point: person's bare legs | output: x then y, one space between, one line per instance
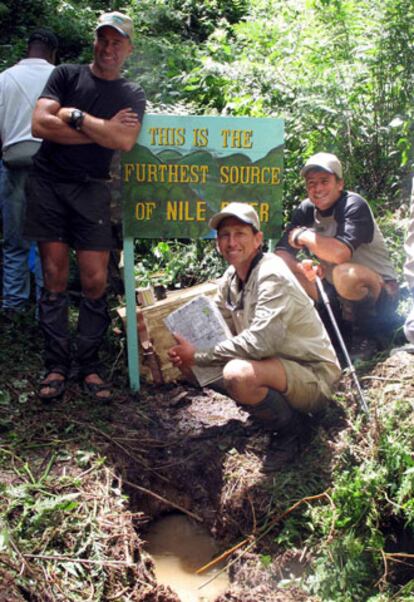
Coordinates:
93 272
55 265
352 281
248 381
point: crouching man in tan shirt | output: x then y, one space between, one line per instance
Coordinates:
279 365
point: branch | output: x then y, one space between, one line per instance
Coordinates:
252 540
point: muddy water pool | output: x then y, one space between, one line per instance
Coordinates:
179 547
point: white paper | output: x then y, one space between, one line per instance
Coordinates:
201 323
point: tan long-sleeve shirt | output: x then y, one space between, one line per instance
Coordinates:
277 319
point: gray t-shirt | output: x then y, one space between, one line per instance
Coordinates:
351 221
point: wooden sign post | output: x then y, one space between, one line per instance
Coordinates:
183 170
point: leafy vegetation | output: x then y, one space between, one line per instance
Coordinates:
324 66
59 505
177 264
350 563
365 515
341 73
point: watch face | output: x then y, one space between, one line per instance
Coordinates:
76 118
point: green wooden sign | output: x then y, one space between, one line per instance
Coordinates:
186 168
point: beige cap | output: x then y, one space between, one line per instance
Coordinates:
122 23
325 161
242 211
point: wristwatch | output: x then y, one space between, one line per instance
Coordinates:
76 119
298 232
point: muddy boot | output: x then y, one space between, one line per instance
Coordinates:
93 323
285 444
389 322
375 325
272 413
277 417
53 320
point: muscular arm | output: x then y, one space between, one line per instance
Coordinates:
118 133
355 227
50 122
48 125
326 248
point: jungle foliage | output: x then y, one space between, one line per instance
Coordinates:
341 74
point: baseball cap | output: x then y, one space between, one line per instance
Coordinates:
325 161
46 36
122 23
242 211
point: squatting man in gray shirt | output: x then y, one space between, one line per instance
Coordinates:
338 228
279 365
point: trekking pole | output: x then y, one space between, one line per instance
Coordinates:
327 304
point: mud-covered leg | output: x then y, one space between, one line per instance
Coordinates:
93 322
53 320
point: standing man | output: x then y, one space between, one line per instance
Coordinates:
279 364
20 87
85 113
338 228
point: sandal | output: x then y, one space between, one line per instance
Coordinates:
56 388
93 391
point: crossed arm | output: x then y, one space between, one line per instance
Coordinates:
50 121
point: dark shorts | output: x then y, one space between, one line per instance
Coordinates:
77 214
372 319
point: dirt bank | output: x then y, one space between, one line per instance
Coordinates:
81 484
169 449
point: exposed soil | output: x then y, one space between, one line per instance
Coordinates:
177 448
199 456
